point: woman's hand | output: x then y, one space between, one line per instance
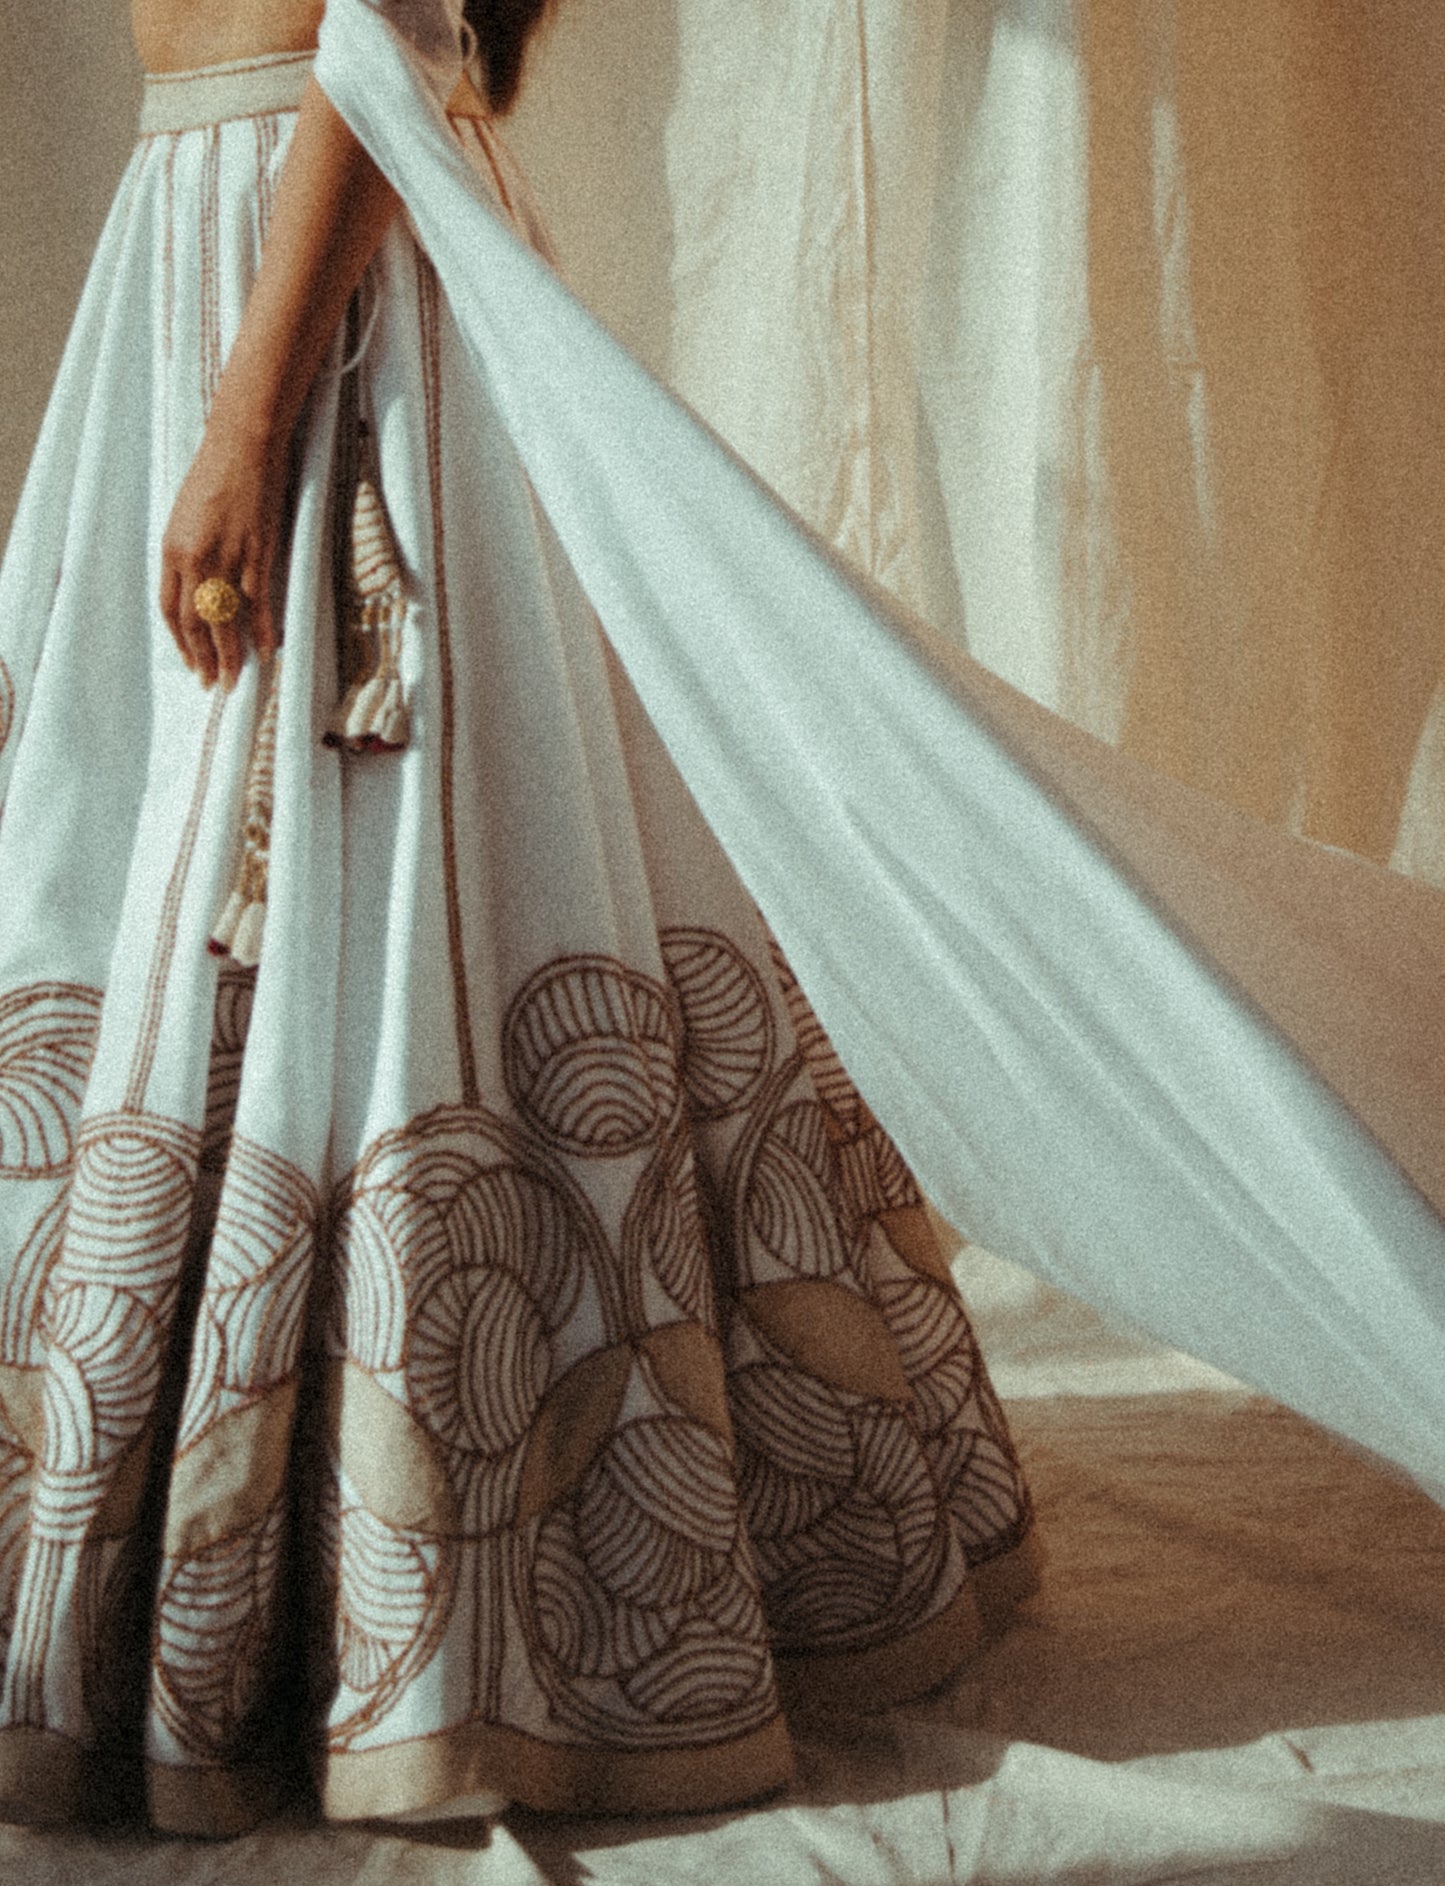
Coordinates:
332 208
227 518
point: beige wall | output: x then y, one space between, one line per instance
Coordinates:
68 90
591 131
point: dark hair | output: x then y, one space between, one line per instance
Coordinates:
503 29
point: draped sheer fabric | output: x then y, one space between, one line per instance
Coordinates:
1183 1064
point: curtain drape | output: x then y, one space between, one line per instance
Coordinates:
1108 333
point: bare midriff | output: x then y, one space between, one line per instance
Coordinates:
182 35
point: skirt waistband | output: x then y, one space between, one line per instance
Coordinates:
243 88
249 88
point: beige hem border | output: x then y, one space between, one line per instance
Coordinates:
41 1775
210 1803
47 1778
909 1666
1001 1585
405 1777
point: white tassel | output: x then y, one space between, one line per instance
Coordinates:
238 932
225 930
246 943
375 572
372 718
366 707
393 722
372 715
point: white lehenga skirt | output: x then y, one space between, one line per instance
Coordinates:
489 1345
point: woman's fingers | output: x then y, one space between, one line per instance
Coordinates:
170 601
200 633
216 651
191 635
256 589
222 534
198 636
228 650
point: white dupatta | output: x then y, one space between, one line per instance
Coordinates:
1179 1063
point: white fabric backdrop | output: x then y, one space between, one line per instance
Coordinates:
1111 335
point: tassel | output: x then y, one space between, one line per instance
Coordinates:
225 930
238 931
246 943
392 721
372 714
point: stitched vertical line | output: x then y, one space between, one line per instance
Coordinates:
345 469
163 956
168 303
165 946
210 269
168 256
268 136
258 137
428 297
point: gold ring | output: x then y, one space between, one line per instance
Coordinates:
216 601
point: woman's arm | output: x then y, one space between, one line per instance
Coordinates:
332 209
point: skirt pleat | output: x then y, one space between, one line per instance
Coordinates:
488 1346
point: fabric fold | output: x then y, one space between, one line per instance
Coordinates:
1121 1036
